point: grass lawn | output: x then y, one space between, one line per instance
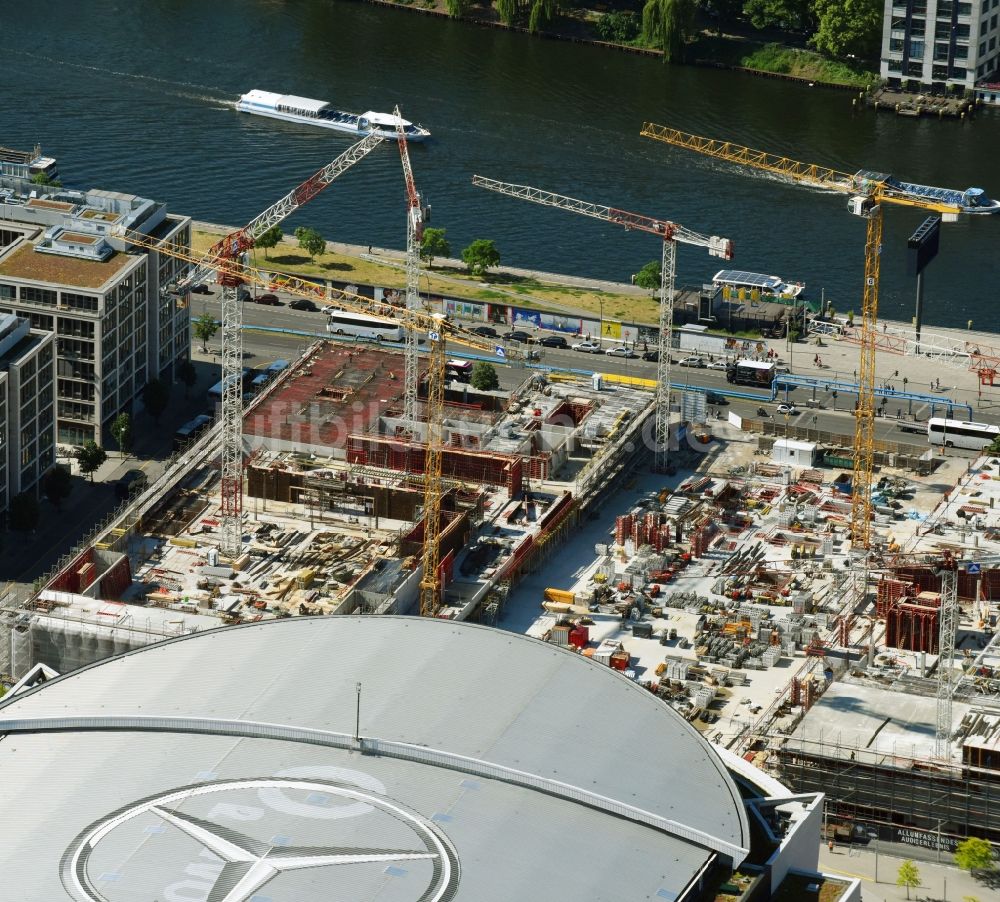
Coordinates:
502 287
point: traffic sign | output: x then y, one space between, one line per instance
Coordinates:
501 351
434 336
974 568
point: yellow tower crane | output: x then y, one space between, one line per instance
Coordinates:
868 192
436 328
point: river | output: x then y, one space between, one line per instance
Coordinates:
137 97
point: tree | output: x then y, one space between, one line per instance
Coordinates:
484 376
204 328
90 456
974 854
848 27
649 276
619 27
792 15
121 431
508 11
24 512
311 242
908 876
57 485
42 178
188 375
480 256
667 24
542 14
434 244
271 238
458 8
724 12
155 396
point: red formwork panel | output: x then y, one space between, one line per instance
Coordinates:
912 627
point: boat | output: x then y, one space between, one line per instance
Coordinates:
319 113
971 200
768 286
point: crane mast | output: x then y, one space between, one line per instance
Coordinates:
869 191
414 236
230 248
670 234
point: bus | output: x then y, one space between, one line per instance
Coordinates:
215 392
751 372
961 433
191 430
359 325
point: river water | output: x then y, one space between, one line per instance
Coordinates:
138 97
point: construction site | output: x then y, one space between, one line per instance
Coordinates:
829 618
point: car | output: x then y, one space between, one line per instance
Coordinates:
200 288
520 336
268 300
697 362
485 331
715 398
621 351
243 295
588 347
651 356
554 341
717 365
788 410
303 304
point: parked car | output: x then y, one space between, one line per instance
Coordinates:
200 288
268 300
519 335
303 304
715 398
588 347
788 410
485 331
554 341
621 351
717 365
651 356
696 362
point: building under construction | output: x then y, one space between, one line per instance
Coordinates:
334 519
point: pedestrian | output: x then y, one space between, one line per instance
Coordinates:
831 845
895 374
369 248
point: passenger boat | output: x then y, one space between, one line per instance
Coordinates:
768 286
971 200
306 111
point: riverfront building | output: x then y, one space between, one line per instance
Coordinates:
940 44
63 268
27 423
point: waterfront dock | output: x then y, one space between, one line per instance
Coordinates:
915 105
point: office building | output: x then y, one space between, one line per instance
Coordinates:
940 45
64 268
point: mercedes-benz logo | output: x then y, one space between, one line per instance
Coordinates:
246 864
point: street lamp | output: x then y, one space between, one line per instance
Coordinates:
600 327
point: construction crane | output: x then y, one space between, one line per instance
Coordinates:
670 234
438 330
230 248
414 235
868 192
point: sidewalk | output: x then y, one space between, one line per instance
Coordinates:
939 882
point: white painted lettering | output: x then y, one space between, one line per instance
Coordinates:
235 812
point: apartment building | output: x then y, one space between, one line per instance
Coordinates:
116 325
940 45
27 406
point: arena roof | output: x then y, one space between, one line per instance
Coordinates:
489 766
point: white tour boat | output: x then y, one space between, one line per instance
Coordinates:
290 108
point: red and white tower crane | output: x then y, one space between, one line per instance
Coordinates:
230 248
414 237
670 233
